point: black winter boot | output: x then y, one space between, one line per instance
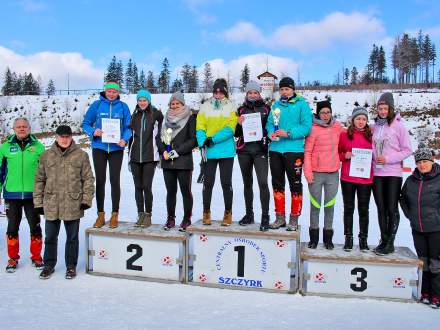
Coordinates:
328 236
265 219
389 247
348 246
247 219
363 245
314 238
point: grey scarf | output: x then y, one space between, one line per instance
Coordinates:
175 122
381 121
322 123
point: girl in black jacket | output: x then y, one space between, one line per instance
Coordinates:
253 155
146 123
420 201
178 139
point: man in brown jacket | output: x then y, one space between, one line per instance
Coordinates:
64 188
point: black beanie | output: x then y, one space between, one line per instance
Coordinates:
323 104
287 82
220 85
63 130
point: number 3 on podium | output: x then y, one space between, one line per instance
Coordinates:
361 275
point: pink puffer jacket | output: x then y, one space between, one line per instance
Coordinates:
321 148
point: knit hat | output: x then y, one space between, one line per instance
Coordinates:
178 96
252 86
63 130
220 85
359 111
143 93
323 104
287 82
423 153
386 98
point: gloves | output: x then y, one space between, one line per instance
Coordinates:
39 210
203 154
208 143
173 154
84 206
201 177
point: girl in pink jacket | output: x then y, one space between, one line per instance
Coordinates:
321 169
391 146
359 136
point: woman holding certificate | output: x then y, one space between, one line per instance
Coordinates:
289 122
146 123
178 139
321 169
107 122
215 129
252 151
391 146
355 152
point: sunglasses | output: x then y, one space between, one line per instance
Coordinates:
325 113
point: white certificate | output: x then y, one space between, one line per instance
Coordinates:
111 130
360 166
252 129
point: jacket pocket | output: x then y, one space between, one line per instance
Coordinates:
73 204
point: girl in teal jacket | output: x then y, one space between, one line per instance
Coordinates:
289 122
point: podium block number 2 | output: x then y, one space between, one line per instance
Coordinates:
361 275
134 257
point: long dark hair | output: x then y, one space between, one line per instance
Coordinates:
391 115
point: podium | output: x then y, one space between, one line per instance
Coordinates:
243 257
396 276
138 253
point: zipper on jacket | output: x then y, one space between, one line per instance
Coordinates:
140 133
111 106
418 205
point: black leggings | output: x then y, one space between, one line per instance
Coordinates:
14 213
247 163
184 177
428 249
143 174
114 160
226 165
386 191
349 192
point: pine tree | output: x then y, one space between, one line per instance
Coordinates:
381 64
136 85
18 83
177 85
426 54
186 77
245 75
208 78
194 80
354 76
151 84
29 84
112 73
8 85
142 80
346 76
120 74
432 58
50 90
129 77
163 83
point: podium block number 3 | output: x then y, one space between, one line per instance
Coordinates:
134 257
361 275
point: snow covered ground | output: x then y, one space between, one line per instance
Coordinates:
26 302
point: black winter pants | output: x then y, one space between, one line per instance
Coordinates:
143 174
114 160
386 191
428 250
226 165
14 213
51 242
184 178
259 161
349 192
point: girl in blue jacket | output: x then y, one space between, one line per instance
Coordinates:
108 107
289 122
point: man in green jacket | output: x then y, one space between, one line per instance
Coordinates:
19 157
